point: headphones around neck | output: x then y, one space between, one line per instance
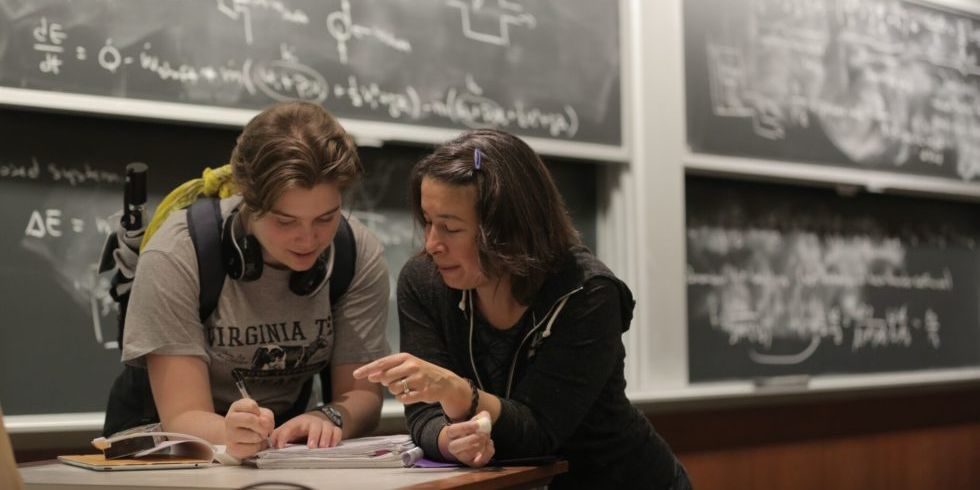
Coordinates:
243 260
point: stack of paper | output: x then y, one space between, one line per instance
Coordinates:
366 452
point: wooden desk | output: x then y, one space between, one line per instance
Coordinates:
57 476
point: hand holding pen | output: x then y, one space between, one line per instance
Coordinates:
247 425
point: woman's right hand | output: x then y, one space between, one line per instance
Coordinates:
413 380
247 428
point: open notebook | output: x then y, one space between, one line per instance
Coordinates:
146 448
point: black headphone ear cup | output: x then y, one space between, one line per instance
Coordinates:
242 256
252 253
308 282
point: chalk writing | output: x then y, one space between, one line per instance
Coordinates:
67 227
341 26
794 280
29 171
53 172
888 82
289 79
43 223
285 80
80 176
49 38
362 60
889 279
508 13
101 304
796 287
242 10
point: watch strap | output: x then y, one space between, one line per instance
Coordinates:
333 415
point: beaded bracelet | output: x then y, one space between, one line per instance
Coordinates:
474 403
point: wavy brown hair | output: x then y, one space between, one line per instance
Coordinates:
525 229
290 145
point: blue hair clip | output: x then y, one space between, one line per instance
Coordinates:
477 158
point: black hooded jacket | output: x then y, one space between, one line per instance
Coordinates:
567 388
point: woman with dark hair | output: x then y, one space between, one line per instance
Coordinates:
274 326
507 316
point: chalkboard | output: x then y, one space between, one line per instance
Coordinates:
784 280
435 63
880 85
60 183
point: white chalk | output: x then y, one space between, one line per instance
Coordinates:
484 421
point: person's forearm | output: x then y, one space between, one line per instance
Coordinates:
361 410
444 446
457 405
206 425
182 395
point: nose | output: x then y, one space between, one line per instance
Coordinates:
306 235
433 245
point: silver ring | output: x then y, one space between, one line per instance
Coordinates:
405 389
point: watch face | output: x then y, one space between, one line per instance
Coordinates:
333 414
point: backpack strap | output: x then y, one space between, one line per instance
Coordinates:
344 258
204 224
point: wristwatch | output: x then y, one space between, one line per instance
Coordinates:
333 415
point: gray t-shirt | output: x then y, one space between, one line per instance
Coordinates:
260 330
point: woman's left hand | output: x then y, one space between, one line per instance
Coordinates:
318 431
468 444
413 380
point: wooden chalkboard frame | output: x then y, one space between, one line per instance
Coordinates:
366 132
851 179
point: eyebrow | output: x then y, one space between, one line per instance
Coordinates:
286 215
445 216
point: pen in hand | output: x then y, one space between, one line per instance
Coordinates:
240 384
